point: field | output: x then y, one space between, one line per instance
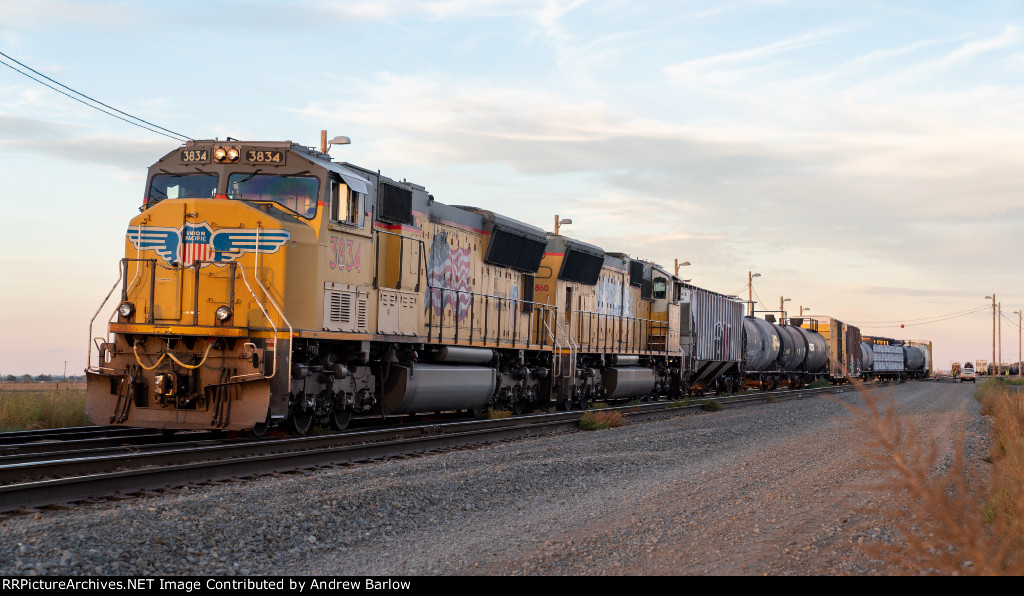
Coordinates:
28 406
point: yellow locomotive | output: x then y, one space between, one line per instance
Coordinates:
265 284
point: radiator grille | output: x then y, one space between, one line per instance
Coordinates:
345 310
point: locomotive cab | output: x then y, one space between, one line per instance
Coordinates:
215 281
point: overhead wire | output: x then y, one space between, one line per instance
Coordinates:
925 321
764 307
957 313
173 135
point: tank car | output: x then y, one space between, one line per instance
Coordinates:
762 349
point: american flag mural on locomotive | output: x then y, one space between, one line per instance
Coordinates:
449 269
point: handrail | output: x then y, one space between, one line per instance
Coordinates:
458 309
256 276
120 276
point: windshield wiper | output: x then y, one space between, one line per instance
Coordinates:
249 177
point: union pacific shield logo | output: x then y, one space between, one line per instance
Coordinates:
195 245
200 242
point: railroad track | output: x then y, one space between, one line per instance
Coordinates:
81 473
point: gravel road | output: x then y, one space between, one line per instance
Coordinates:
769 489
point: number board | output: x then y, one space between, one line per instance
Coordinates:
195 156
270 156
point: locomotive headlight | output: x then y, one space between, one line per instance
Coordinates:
126 310
226 154
223 313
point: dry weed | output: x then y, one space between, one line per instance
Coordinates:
942 524
600 419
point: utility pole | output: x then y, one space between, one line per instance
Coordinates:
1000 363
993 297
1020 320
750 290
782 312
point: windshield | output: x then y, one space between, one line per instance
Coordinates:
295 193
182 186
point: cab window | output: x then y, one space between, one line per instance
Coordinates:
660 288
182 186
295 193
346 204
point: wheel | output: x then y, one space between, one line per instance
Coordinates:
299 423
340 419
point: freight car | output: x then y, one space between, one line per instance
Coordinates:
896 360
265 284
782 355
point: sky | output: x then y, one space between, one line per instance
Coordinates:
866 158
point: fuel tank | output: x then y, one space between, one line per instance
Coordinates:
627 381
423 387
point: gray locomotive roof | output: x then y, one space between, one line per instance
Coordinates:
494 220
564 243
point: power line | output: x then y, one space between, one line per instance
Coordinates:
929 320
761 303
958 313
176 135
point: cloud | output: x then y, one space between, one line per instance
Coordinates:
546 13
65 141
732 66
45 14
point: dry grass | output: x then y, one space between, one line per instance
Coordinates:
28 410
496 414
1006 499
601 419
944 525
